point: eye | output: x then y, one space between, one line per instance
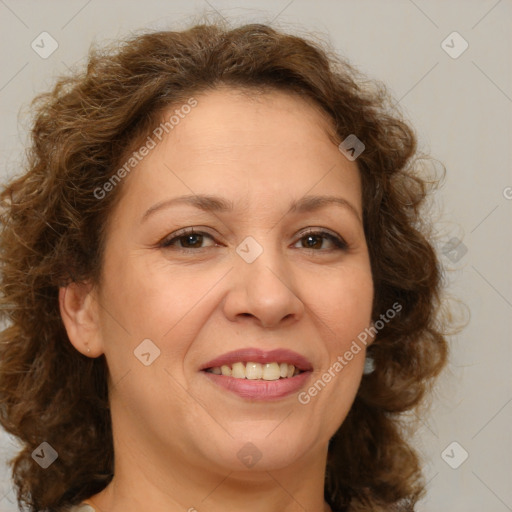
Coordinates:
190 240
187 238
314 240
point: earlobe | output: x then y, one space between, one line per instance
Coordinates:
78 309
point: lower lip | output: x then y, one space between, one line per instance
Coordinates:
260 389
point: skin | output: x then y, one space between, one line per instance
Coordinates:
176 434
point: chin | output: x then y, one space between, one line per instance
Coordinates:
264 453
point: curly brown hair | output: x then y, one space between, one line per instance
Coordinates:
53 233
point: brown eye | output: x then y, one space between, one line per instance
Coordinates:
315 239
186 239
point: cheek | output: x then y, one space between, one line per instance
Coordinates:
143 301
343 301
149 296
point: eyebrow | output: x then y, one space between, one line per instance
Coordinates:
209 203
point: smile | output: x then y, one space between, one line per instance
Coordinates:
256 371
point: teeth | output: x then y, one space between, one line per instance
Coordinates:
253 371
238 371
256 371
271 371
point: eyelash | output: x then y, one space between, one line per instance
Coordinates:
339 243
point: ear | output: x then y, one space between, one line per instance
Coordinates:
79 312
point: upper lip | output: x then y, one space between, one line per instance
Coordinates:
256 355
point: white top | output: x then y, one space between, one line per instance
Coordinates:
82 508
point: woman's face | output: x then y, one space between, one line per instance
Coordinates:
250 278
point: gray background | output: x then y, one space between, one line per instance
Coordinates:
461 108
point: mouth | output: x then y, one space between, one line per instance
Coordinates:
256 371
259 375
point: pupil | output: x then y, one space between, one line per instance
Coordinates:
190 238
309 239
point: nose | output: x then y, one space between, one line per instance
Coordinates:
264 290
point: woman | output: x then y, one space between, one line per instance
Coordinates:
218 291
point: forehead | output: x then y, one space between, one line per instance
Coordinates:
233 116
246 144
